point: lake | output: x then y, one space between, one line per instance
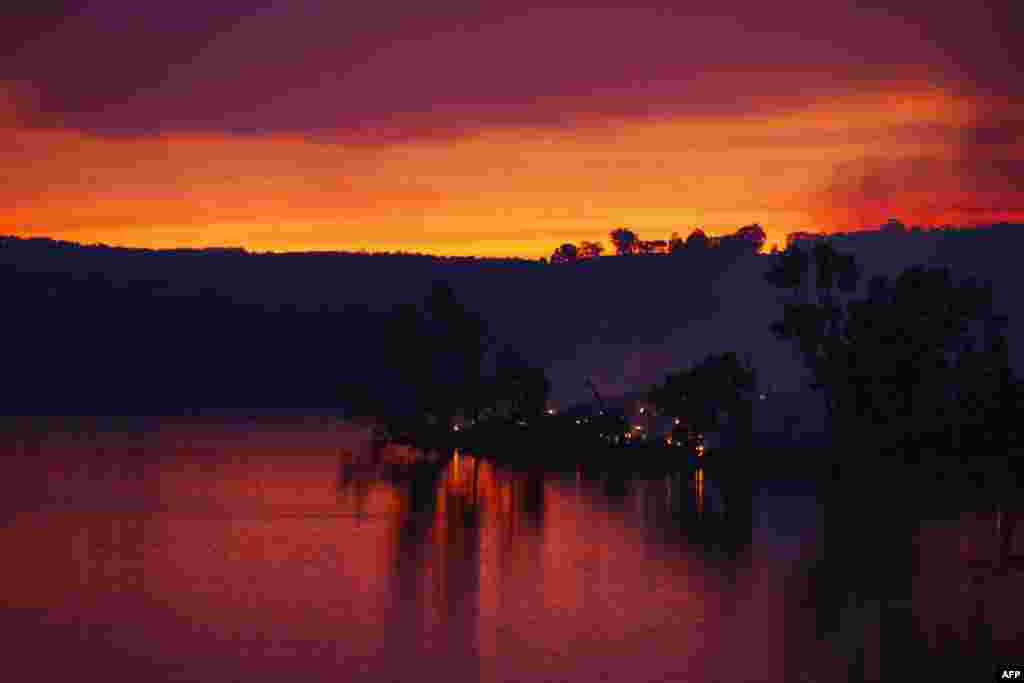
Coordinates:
295 550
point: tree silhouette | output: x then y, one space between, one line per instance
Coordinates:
793 238
893 226
789 270
697 240
455 341
590 250
697 395
652 247
816 326
625 241
753 236
928 363
746 240
675 243
916 364
519 390
567 253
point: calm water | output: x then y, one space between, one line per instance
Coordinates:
245 552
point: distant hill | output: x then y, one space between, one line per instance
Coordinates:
624 321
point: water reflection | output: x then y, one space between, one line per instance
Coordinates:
256 553
699 485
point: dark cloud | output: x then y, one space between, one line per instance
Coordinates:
128 67
25 22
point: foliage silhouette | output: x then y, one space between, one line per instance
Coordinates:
753 236
893 225
519 390
675 243
652 247
699 396
917 364
794 238
105 330
625 241
697 240
454 341
590 250
567 253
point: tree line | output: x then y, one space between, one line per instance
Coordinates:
748 239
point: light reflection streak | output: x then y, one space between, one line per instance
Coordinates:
700 491
525 565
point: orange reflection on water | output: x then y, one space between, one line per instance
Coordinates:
700 491
327 560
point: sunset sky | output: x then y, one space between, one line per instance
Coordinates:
501 128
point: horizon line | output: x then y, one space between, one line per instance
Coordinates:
365 252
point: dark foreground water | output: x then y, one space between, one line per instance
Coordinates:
294 552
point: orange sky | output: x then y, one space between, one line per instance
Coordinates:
836 163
